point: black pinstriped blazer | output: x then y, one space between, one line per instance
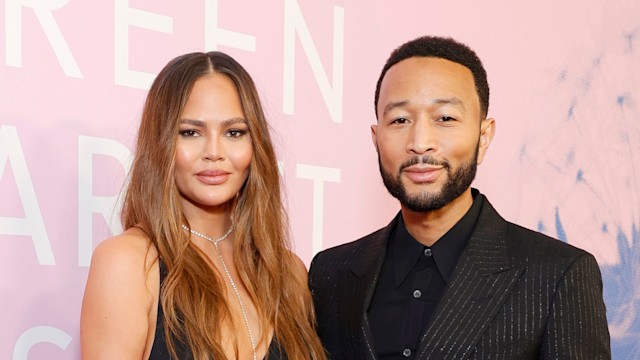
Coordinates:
514 294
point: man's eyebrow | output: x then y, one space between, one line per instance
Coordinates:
393 105
439 101
449 101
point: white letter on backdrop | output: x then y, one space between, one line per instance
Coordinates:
32 224
42 9
89 204
214 36
125 16
294 23
319 175
37 335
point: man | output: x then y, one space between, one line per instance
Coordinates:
448 278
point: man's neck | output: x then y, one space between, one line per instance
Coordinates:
427 227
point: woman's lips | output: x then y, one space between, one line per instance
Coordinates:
213 177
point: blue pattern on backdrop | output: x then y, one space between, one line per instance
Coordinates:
604 117
622 296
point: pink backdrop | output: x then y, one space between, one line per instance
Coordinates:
73 76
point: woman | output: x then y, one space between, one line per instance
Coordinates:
203 270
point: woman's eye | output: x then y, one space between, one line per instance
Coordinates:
235 133
188 133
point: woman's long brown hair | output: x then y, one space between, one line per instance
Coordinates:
192 294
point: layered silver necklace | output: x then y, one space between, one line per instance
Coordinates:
215 243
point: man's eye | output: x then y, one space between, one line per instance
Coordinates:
400 121
446 118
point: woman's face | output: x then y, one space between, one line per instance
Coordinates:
214 147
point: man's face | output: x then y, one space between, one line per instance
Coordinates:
429 135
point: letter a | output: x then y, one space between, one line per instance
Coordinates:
32 224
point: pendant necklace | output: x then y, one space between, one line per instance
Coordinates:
233 283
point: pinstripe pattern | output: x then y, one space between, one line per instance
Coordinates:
515 294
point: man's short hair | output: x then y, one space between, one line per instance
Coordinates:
444 48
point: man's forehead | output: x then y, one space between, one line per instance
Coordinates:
429 81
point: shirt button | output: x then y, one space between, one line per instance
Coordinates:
406 352
427 252
417 294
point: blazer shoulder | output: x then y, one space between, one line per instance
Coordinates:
347 251
524 243
354 247
341 257
537 246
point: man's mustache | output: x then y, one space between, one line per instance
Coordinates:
425 159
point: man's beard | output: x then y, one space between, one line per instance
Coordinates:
457 183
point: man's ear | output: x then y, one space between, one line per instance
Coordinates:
487 130
374 137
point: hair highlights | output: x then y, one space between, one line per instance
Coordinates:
192 293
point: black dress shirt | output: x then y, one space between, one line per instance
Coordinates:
411 283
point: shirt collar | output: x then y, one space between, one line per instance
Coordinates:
406 251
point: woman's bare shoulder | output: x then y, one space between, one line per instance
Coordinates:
299 268
131 246
121 292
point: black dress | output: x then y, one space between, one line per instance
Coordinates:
159 351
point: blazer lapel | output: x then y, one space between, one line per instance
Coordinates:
481 282
356 289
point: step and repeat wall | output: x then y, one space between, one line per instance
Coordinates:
565 93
